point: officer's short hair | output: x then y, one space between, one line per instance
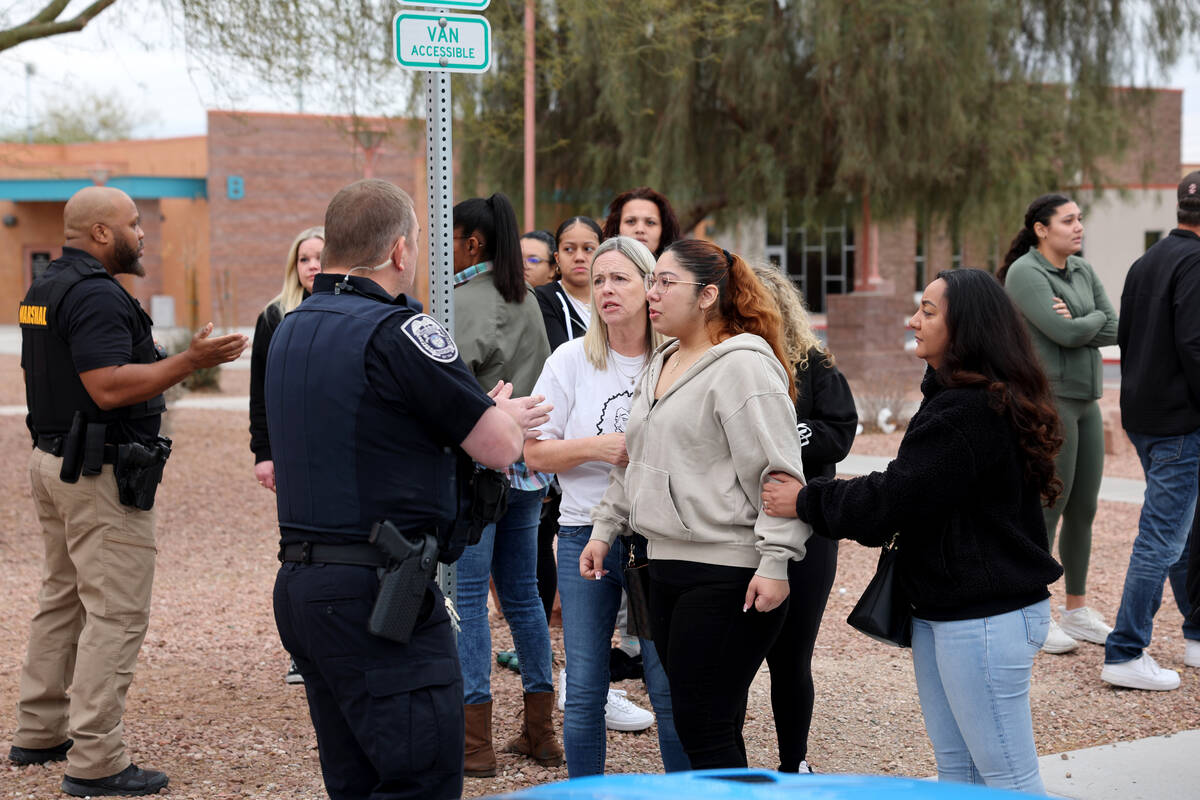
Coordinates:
363 221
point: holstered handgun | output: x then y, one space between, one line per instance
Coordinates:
411 564
139 470
72 450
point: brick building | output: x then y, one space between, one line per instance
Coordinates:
219 211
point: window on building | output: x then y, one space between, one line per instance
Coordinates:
1151 238
819 259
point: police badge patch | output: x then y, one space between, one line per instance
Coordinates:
431 338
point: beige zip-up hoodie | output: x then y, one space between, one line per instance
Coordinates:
698 457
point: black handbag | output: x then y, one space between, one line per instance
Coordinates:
884 612
637 587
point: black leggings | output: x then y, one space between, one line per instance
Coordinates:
711 651
790 659
547 570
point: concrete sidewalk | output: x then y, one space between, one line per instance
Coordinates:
1157 768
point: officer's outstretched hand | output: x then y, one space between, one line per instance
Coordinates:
205 352
527 412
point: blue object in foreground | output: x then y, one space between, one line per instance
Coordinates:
753 784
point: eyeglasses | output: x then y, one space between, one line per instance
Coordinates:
535 260
664 282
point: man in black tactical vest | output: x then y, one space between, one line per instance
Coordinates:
368 405
93 385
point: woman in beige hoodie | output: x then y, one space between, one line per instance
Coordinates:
711 417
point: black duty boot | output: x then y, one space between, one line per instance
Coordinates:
133 781
23 756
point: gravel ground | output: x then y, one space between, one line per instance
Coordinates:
209 705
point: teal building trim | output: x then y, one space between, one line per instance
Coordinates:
139 187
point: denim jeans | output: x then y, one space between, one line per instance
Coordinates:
1170 464
507 551
973 682
589 610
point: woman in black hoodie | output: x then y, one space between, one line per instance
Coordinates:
964 496
564 302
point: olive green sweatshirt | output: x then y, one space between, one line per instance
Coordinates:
1068 348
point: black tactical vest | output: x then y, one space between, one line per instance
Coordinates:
53 391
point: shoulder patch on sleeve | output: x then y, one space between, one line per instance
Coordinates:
431 338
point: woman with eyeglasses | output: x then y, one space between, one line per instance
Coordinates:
537 250
711 416
590 382
564 302
501 337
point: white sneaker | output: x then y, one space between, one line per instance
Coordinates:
562 689
622 715
1191 655
1140 673
1084 624
1057 641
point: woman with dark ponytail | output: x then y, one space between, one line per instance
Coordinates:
1069 319
711 415
499 332
963 502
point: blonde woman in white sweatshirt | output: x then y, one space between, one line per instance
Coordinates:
712 415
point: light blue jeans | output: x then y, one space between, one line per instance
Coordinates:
1159 551
973 680
507 551
589 610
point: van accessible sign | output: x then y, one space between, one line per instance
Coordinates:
449 42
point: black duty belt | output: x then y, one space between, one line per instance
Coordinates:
355 555
54 446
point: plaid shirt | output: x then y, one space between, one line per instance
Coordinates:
519 476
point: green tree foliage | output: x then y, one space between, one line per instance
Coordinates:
949 109
959 109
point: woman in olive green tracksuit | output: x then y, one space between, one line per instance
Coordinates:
1070 319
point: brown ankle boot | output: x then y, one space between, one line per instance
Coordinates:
479 759
537 739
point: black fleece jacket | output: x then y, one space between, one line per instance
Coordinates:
264 329
972 542
825 416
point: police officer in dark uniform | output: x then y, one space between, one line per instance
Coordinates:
368 403
93 385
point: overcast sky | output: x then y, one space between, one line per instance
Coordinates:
127 51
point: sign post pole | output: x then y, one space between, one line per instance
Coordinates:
439 43
439 168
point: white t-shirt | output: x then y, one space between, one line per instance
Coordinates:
587 402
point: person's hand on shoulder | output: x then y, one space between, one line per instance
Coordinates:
209 352
779 494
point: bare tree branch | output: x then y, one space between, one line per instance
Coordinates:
46 23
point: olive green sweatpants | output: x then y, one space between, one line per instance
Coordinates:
1080 466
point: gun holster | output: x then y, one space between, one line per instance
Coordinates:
412 561
139 470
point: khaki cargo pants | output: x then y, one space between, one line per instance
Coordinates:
91 618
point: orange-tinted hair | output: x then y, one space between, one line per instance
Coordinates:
743 306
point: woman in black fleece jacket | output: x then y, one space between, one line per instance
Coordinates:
965 493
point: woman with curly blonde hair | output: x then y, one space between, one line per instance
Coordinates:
827 420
